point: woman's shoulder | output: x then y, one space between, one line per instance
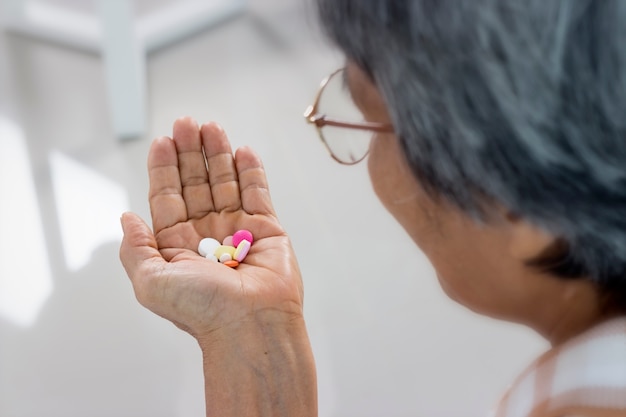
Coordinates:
586 376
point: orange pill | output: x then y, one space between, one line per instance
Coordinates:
232 264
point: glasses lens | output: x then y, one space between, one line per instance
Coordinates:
347 145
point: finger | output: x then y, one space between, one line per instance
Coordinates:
222 173
192 166
139 255
255 195
167 205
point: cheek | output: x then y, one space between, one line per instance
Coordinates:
389 174
378 172
399 191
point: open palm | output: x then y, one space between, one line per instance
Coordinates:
199 189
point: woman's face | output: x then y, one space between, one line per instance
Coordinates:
477 265
482 266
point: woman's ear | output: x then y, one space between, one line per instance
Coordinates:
527 241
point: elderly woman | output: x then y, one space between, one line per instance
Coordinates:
498 142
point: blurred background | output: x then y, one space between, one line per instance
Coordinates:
73 145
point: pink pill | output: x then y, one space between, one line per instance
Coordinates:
228 241
242 235
242 250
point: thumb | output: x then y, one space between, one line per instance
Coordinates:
138 244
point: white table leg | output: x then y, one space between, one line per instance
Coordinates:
124 62
122 40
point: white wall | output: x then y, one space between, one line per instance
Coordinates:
387 341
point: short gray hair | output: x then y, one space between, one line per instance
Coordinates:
519 102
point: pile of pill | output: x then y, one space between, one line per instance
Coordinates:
231 251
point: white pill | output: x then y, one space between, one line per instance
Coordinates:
207 246
211 257
225 257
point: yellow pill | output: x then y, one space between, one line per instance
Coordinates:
222 249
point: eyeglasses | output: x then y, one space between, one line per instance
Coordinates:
347 142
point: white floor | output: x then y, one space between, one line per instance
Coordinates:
73 340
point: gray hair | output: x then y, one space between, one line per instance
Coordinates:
518 102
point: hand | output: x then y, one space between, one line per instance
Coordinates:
197 190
